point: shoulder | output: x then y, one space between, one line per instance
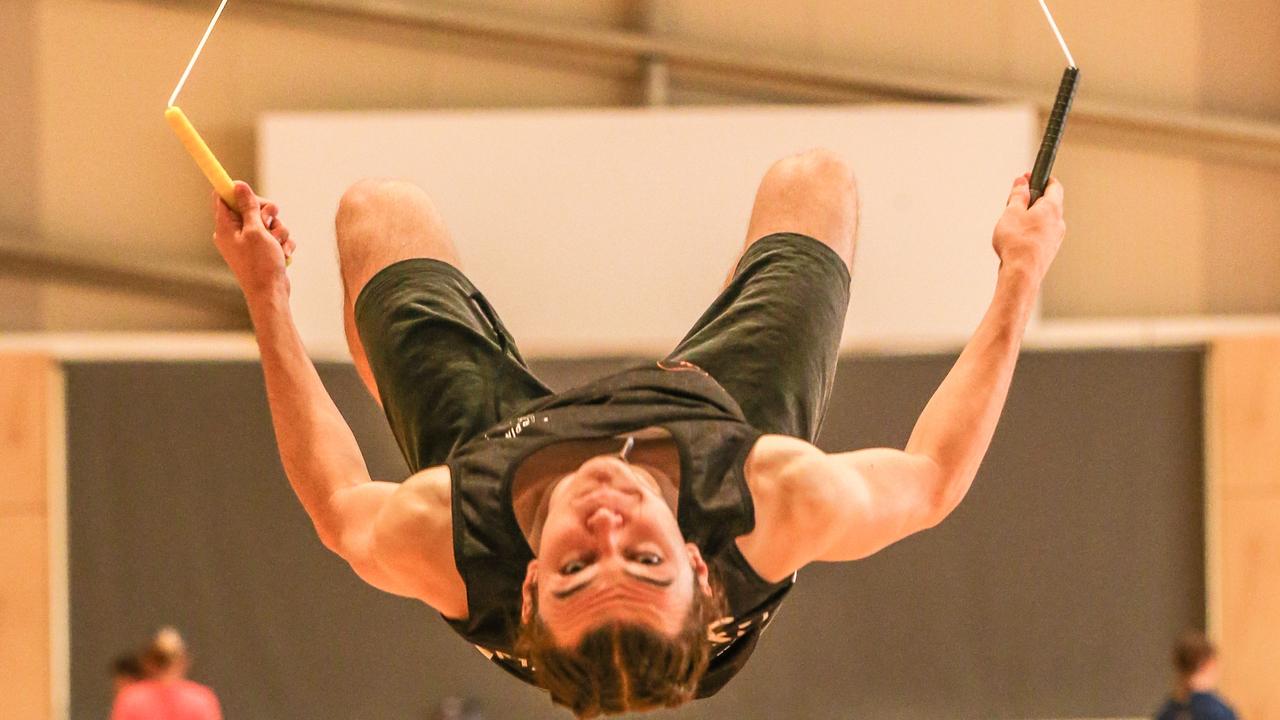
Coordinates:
792 484
198 689
413 542
421 504
1213 706
426 490
134 695
786 475
1168 710
200 693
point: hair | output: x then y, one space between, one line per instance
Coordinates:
1191 652
166 649
623 667
127 666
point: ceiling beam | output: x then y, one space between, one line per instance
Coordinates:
49 261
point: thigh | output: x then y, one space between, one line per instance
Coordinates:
772 337
445 367
381 222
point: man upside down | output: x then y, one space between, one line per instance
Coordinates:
622 544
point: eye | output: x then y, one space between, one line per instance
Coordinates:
647 558
573 567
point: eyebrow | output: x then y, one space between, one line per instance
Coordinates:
567 592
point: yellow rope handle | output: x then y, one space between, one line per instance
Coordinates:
201 153
204 157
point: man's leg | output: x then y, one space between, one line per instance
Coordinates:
772 336
813 194
425 341
381 222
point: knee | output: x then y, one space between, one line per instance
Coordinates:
814 193
375 195
816 169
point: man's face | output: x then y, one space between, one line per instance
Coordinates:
611 550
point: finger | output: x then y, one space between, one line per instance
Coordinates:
1020 195
270 211
1055 192
280 232
247 205
289 247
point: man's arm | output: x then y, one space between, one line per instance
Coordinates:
355 517
850 505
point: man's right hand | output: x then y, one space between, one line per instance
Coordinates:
253 242
1028 238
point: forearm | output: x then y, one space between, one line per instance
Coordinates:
318 451
957 425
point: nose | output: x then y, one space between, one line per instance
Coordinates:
604 520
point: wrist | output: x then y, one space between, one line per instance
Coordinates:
268 300
1023 274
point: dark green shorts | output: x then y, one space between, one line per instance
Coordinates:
447 369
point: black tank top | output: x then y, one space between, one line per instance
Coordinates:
714 507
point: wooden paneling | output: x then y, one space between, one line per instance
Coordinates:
24 618
1243 483
23 426
1250 605
1244 387
25 648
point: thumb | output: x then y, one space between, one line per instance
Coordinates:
247 205
225 221
1020 195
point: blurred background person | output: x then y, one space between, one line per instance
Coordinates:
166 693
126 670
1195 660
453 708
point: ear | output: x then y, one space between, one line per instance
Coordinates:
529 591
701 575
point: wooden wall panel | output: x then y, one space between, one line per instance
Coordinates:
23 424
25 647
1243 483
24 618
1249 632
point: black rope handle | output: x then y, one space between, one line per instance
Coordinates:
1053 133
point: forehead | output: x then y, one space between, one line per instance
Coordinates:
570 618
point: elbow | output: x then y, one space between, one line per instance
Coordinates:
331 532
331 540
945 491
943 502
934 513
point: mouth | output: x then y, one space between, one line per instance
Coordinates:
607 471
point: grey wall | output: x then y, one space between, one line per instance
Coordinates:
1052 592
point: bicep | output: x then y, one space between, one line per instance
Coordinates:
813 506
881 496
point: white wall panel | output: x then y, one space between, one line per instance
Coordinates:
608 231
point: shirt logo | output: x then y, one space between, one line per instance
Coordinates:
518 426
